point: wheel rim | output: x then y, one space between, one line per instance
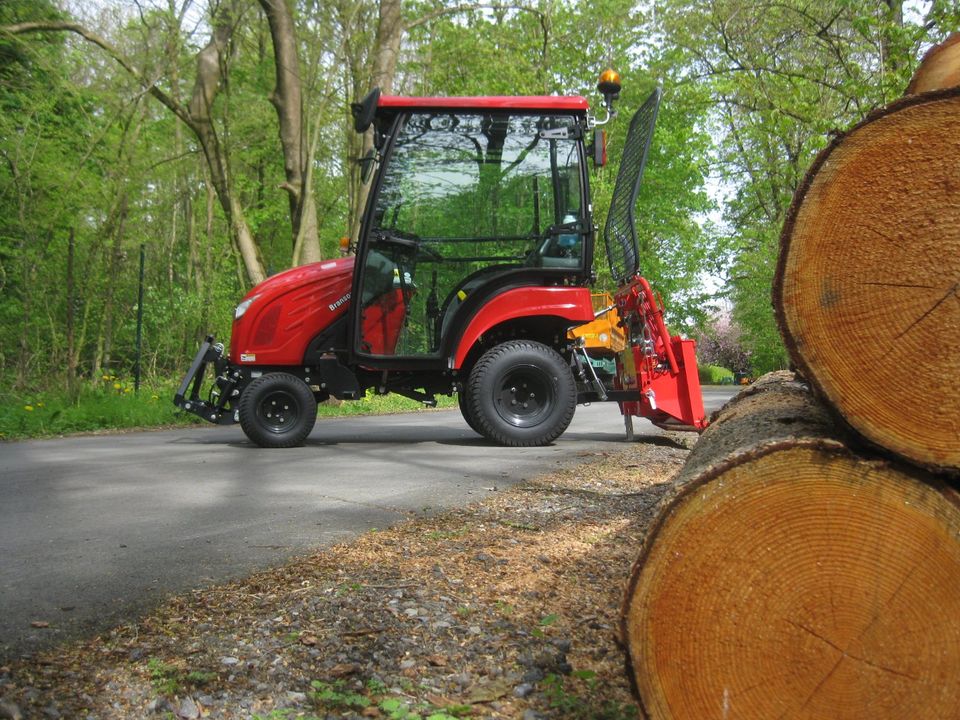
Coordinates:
526 396
278 411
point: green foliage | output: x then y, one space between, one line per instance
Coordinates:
581 699
715 375
163 677
170 680
336 696
284 714
108 405
373 404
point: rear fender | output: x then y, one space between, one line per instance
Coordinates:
570 304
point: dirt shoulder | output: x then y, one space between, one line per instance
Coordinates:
506 608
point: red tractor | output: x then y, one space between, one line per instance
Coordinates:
473 264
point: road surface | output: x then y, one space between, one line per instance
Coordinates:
95 529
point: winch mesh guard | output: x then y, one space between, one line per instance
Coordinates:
620 232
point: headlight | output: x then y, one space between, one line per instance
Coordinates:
243 307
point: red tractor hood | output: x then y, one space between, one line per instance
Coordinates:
285 312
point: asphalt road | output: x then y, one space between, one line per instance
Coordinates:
95 529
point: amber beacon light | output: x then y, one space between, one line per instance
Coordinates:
609 86
609 82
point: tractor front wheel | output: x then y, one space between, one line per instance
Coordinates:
522 394
277 410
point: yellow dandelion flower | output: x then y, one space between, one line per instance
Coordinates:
28 408
117 386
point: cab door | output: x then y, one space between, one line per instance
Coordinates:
466 201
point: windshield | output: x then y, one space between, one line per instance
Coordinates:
463 197
484 175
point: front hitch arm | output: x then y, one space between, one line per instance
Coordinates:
188 394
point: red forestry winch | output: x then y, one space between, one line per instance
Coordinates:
471 274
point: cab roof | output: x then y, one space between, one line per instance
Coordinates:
574 103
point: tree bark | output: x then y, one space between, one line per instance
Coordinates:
867 288
72 389
211 61
892 55
287 99
386 53
939 69
115 230
793 576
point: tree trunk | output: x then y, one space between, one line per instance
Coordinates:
211 61
939 69
893 55
114 231
116 225
287 99
867 288
792 576
386 52
72 389
387 45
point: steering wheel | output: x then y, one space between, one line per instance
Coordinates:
407 240
431 253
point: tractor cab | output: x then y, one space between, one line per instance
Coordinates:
471 196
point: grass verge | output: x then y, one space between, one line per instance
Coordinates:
112 404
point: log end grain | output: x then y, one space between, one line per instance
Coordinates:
803 582
867 289
939 69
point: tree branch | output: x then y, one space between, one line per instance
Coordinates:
57 26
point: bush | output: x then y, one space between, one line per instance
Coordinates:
720 344
715 375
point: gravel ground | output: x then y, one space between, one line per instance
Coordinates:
505 609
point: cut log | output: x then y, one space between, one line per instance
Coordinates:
867 287
792 577
939 69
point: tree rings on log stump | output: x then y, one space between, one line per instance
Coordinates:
791 578
867 289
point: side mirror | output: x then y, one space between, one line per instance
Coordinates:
599 147
367 163
364 111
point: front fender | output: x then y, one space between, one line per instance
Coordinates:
568 303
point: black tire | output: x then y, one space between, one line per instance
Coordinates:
467 413
522 394
277 410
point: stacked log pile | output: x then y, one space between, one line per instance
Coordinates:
808 565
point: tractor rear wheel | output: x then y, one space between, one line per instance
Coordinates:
277 410
522 394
